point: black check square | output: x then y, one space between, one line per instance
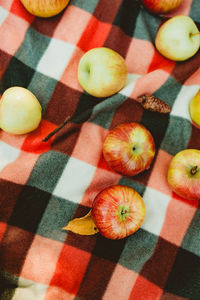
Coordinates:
29 208
127 16
16 74
108 249
184 278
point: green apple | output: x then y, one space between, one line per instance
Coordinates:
20 111
178 38
102 72
194 108
44 8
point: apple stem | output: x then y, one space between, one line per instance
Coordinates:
196 33
124 211
193 170
57 129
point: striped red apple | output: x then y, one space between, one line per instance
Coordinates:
118 211
129 148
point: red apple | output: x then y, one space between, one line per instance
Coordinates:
184 174
129 148
118 211
161 6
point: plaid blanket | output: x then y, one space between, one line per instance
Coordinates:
44 185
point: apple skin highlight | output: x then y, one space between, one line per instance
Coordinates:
118 211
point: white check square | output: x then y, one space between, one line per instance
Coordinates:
156 205
130 83
8 154
74 180
181 104
30 290
3 15
55 58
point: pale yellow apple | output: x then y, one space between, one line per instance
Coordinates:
44 8
102 72
20 111
194 108
178 38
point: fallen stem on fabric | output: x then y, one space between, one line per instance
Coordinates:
148 102
57 129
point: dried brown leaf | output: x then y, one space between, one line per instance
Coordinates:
84 225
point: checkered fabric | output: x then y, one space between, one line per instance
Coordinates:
44 185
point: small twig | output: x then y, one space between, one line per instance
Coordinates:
148 102
57 129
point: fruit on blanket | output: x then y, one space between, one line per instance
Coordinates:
194 108
102 72
161 6
20 111
184 174
45 8
129 148
118 211
178 38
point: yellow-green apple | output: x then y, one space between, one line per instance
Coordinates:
178 38
118 211
194 108
102 72
161 6
44 8
184 174
129 148
20 111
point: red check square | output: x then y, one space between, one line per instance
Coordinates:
17 28
94 35
55 293
91 138
69 22
19 10
41 260
70 269
144 289
2 230
6 4
34 140
123 278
